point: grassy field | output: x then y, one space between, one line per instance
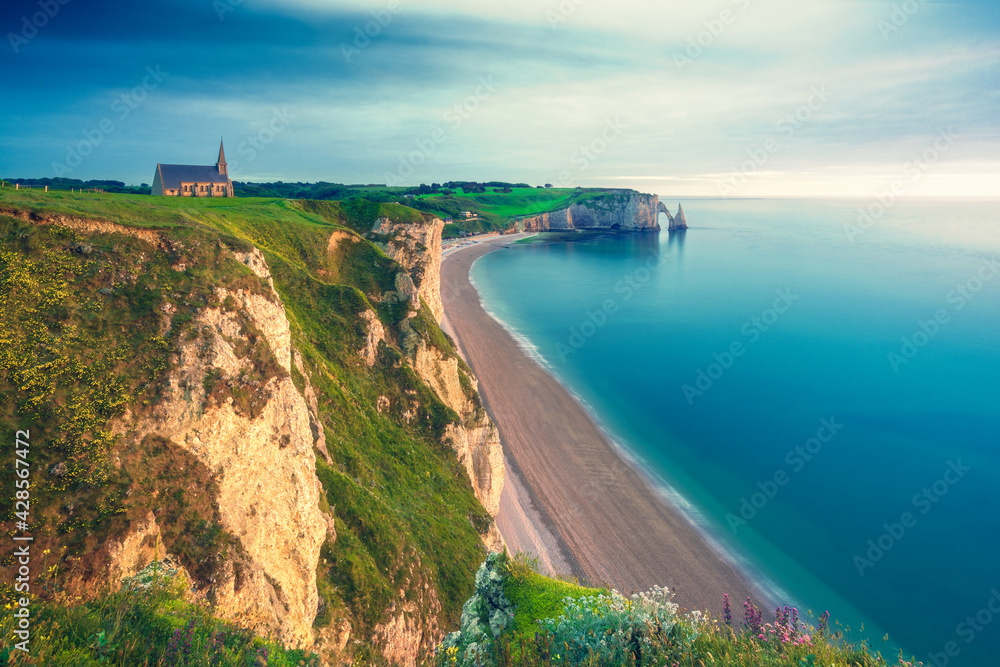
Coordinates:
497 209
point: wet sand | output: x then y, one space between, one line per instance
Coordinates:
570 498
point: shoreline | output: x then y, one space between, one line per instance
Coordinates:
573 498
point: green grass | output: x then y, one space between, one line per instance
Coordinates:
536 597
146 624
560 623
518 202
405 510
497 210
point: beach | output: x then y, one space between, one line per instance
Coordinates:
570 497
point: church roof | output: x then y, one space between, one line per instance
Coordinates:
172 175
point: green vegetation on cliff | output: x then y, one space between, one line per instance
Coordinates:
84 343
146 623
519 617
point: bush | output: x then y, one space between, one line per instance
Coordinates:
596 627
485 616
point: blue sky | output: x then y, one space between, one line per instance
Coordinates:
733 97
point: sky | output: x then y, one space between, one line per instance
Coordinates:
710 98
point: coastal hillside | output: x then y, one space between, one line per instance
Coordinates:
619 210
256 393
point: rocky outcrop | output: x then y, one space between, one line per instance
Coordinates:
315 423
375 334
411 629
141 546
475 439
259 449
614 210
678 221
417 247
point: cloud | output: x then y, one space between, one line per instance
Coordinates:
360 110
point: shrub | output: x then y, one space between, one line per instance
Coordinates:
485 616
596 627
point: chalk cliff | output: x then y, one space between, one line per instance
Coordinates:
417 247
616 210
263 387
259 445
677 222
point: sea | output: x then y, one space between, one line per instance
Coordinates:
816 383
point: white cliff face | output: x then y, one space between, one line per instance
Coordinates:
475 440
411 627
375 335
417 247
315 423
615 211
263 461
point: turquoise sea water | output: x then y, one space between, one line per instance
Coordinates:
807 390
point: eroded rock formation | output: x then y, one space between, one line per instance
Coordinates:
476 441
260 451
625 210
417 247
677 222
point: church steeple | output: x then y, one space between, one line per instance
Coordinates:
221 164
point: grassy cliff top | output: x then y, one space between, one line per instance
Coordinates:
495 208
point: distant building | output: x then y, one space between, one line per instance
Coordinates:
449 220
186 180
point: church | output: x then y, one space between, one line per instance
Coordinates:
187 180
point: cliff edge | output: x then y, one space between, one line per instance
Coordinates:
616 210
259 394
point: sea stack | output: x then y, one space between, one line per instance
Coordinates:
678 222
